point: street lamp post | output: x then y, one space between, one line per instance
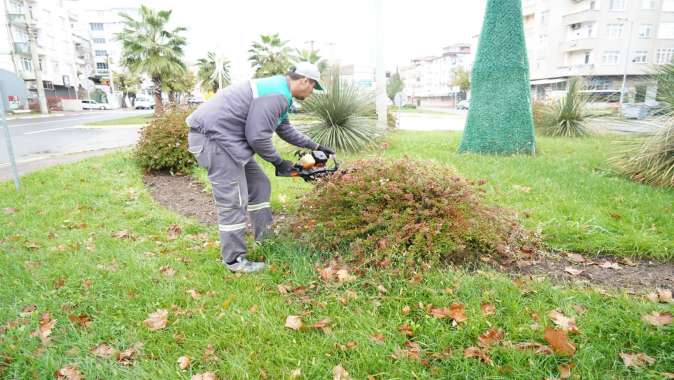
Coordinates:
8 142
627 61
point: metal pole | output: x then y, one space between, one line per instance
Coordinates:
382 116
35 58
627 62
8 142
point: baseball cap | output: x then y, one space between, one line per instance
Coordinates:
309 70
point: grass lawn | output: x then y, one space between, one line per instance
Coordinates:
93 252
130 120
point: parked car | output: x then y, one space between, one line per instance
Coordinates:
143 103
463 105
94 105
195 100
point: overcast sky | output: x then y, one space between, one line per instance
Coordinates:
412 28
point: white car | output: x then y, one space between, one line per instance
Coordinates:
94 105
143 103
463 105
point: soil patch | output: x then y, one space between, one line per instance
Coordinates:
185 195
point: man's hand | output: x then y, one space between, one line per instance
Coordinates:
284 169
327 150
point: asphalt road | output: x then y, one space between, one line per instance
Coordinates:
49 139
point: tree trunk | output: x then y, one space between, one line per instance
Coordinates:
158 106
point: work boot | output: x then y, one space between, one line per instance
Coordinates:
242 265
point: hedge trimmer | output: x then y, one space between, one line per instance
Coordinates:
313 165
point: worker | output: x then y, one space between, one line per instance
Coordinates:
227 131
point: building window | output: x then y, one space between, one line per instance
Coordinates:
611 57
97 26
545 15
26 65
99 40
600 84
615 31
647 4
20 35
587 57
668 5
15 6
666 30
664 56
616 5
101 66
645 31
640 56
101 53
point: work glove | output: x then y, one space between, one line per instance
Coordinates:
284 168
327 150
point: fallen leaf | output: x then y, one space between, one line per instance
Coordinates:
475 352
59 283
9 210
573 271
440 313
406 329
575 258
382 289
157 320
69 372
636 360
488 309
565 323
377 337
128 356
184 362
559 342
610 265
344 276
205 376
565 370
193 293
658 318
44 330
252 309
104 351
173 232
82 320
88 283
283 289
121 235
167 271
490 337
322 324
294 322
406 310
209 355
339 373
580 309
536 347
665 295
442 355
413 351
28 310
458 312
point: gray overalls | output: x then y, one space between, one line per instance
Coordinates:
225 133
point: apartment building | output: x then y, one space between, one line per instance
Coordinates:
428 80
601 41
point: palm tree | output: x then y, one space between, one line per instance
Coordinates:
148 47
211 78
310 55
269 56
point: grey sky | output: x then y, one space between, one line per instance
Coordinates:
412 28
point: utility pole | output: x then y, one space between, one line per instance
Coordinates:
8 142
32 38
627 61
382 114
112 85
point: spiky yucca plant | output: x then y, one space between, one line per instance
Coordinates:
342 110
567 116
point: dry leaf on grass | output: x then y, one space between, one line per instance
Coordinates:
406 329
611 265
559 342
476 352
184 362
562 321
439 313
536 347
173 232
488 309
377 337
406 310
458 312
339 373
69 372
294 322
45 328
121 235
82 320
205 376
665 296
490 337
565 370
167 271
104 351
658 318
193 293
128 356
157 320
573 271
9 210
413 351
636 360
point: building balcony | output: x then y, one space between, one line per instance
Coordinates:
22 48
582 16
576 70
579 44
27 75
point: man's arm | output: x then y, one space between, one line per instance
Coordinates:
263 115
292 136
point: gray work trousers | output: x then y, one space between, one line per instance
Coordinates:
237 190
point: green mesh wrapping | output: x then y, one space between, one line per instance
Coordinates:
500 119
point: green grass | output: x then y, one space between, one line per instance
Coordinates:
130 120
62 210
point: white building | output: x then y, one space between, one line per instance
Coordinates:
598 40
428 80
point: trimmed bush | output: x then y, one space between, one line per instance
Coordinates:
407 211
163 143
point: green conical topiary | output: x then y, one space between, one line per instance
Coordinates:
500 119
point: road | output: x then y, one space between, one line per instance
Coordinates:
46 140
